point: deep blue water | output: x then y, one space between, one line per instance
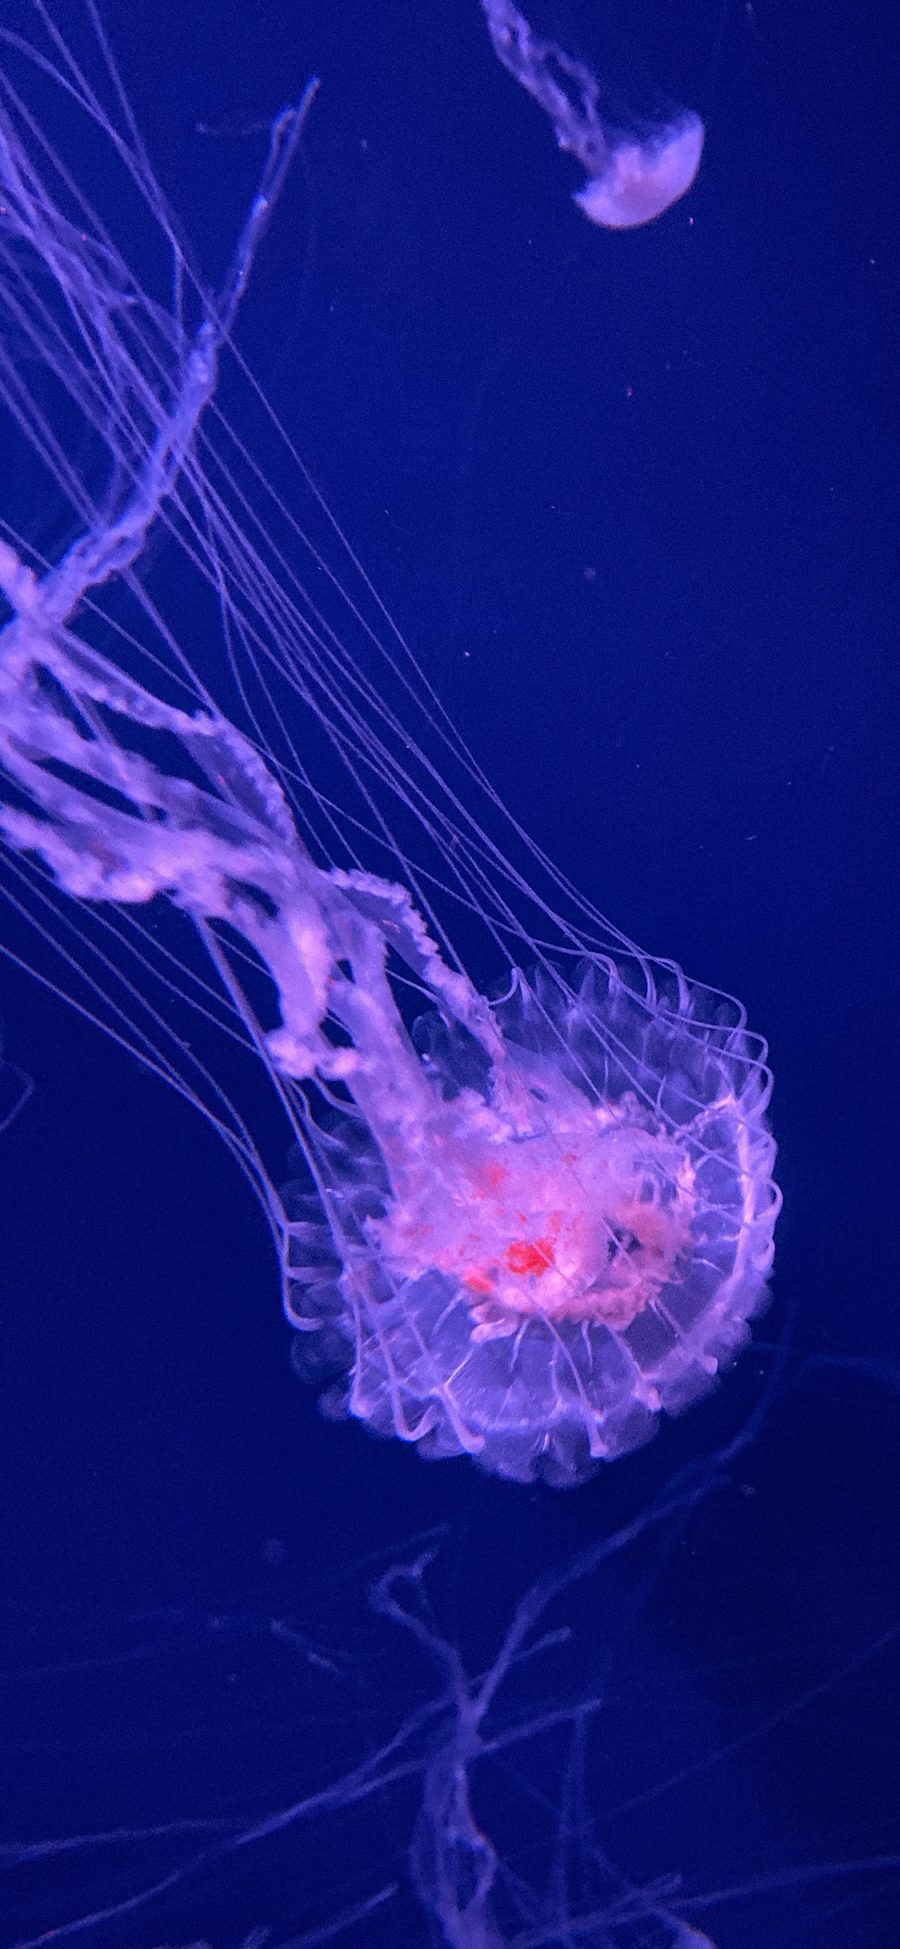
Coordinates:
633 499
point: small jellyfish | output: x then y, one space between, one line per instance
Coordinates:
633 175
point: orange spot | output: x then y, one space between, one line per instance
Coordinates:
533 1255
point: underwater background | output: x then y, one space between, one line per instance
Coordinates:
632 499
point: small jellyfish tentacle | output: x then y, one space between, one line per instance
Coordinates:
536 64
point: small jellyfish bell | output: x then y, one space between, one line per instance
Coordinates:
642 179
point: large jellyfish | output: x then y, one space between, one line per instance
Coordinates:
633 174
15 1089
528 1222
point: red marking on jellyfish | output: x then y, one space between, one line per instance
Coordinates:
530 1255
493 1175
480 1280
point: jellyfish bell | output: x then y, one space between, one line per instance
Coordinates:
571 1241
640 180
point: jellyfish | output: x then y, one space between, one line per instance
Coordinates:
524 1221
633 175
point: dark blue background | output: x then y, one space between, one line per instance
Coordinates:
633 499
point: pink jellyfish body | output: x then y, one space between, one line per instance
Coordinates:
630 180
640 181
527 1223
